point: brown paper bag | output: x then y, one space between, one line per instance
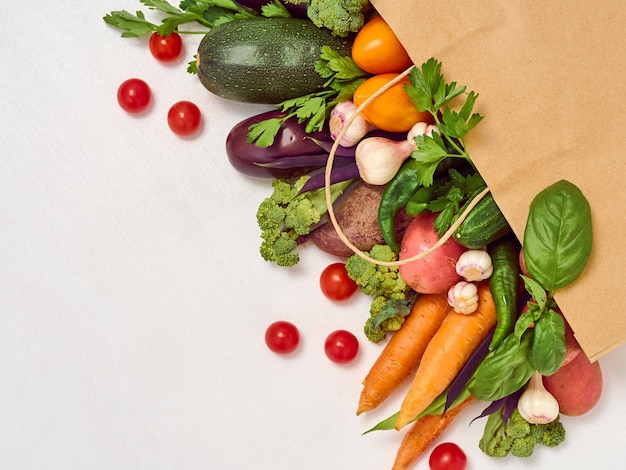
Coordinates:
552 83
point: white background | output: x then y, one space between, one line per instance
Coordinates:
133 300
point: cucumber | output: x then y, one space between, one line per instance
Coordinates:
484 224
265 60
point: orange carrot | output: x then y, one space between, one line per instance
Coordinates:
447 352
404 350
422 434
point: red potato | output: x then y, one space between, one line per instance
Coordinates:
436 272
577 386
522 263
572 346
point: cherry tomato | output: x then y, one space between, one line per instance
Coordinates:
341 346
134 95
166 48
376 49
447 456
335 283
184 118
282 337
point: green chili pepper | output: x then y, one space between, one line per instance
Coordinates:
504 285
420 200
397 194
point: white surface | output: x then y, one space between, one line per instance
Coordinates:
133 301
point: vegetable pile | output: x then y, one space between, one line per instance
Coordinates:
367 158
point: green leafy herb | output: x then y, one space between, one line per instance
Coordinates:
275 9
505 370
343 77
548 350
206 13
429 92
558 235
451 196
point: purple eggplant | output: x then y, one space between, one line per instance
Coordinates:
292 141
338 173
297 10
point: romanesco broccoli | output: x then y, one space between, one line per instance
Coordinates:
288 214
342 17
391 300
517 436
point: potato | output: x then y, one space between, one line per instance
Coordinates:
577 386
572 347
357 217
436 272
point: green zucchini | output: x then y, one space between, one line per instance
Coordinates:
265 60
484 224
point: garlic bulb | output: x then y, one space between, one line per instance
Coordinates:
463 297
339 116
379 158
537 405
474 265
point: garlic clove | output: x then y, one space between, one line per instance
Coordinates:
474 265
338 119
379 159
537 405
463 297
420 128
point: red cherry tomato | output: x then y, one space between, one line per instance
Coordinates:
134 95
166 48
184 118
335 283
447 456
282 337
341 346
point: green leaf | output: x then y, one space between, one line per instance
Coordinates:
505 370
161 5
548 350
558 235
386 424
525 320
133 26
192 66
263 133
275 9
535 290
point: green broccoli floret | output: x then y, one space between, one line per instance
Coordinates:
391 302
517 426
342 17
495 442
553 434
517 436
288 214
523 446
385 315
376 280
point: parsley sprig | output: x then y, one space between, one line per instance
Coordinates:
343 77
206 13
452 196
429 92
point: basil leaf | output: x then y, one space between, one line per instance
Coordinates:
558 235
548 350
504 371
525 320
536 291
